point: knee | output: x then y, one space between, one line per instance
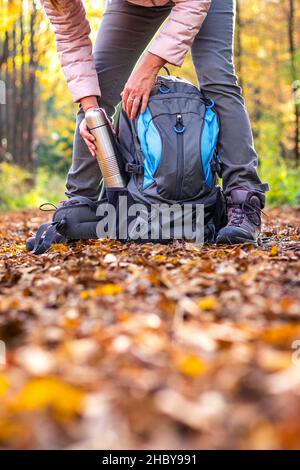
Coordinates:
216 77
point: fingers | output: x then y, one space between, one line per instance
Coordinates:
131 103
88 138
135 103
139 85
144 103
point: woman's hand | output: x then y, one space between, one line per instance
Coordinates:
87 103
140 84
88 137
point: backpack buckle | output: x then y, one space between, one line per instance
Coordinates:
216 165
134 168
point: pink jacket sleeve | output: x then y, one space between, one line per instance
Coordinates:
74 47
178 33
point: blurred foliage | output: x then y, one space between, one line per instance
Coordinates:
282 177
20 189
264 65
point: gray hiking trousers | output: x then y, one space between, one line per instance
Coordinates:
124 33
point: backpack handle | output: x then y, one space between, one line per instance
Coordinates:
167 70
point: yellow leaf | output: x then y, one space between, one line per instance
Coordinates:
159 258
106 289
63 399
4 385
193 366
9 429
208 303
274 251
59 248
85 294
13 249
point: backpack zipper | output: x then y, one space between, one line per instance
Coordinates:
179 129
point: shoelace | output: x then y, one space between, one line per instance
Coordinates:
239 211
53 207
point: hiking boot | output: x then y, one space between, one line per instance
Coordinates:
244 218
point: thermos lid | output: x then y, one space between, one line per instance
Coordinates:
96 118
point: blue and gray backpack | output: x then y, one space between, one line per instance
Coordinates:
169 156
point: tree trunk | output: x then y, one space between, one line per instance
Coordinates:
22 88
30 111
3 59
14 99
4 54
292 50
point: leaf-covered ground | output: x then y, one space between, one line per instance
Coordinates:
126 346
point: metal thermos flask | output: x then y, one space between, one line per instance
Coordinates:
106 152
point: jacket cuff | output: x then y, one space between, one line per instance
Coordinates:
80 88
173 57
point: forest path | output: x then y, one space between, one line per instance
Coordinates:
149 346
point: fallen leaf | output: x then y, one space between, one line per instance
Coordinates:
4 385
274 251
59 248
64 400
193 366
106 289
208 303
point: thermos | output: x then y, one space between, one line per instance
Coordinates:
106 153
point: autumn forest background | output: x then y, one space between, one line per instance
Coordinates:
37 122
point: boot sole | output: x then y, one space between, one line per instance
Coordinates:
236 240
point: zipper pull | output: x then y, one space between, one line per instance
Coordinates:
179 127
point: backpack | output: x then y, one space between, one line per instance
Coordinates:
169 156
